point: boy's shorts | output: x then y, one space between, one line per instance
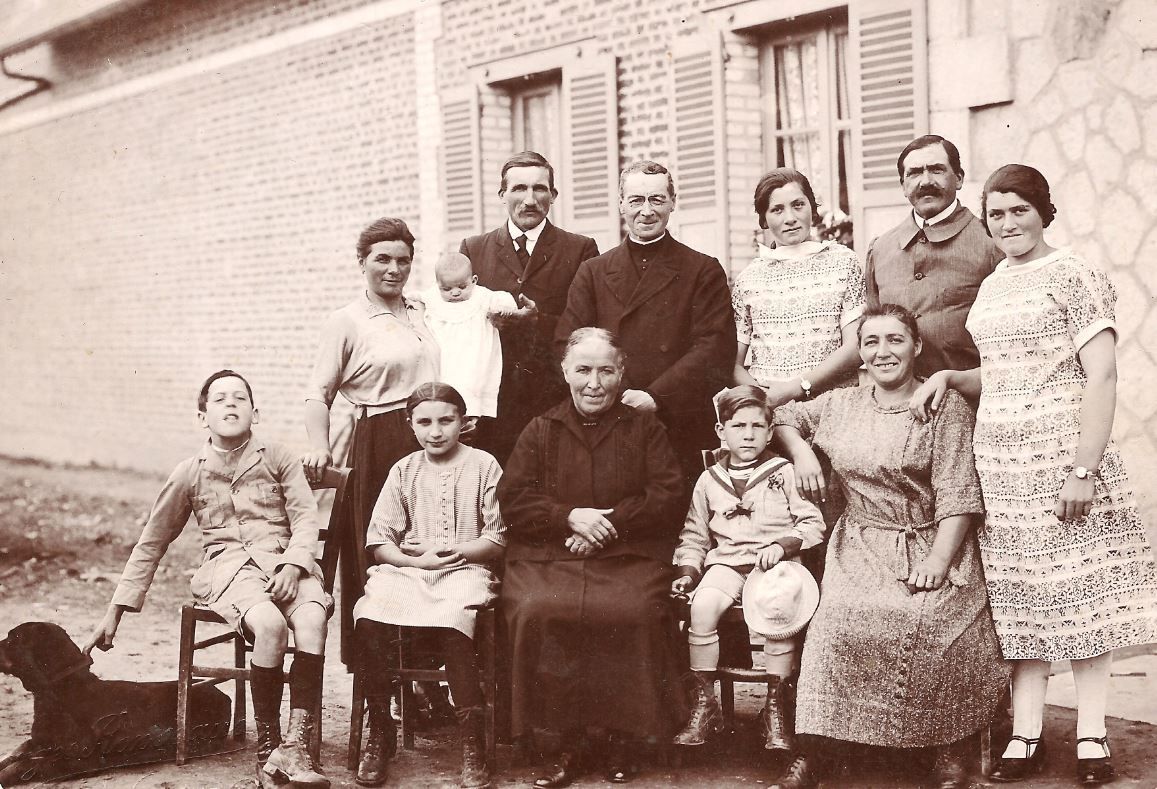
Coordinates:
728 580
248 588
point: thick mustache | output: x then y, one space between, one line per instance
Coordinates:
928 191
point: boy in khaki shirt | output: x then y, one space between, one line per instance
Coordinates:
258 522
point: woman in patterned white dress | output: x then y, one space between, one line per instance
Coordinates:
434 535
796 305
1069 569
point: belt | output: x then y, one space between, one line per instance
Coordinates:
907 535
373 410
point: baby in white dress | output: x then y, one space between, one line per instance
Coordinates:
458 312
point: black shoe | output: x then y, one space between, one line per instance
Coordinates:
1098 770
565 771
800 774
622 775
1009 770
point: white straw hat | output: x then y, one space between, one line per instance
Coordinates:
780 602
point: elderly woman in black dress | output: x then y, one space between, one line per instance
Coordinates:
591 496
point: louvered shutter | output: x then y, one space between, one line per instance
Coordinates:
889 48
591 148
697 156
461 166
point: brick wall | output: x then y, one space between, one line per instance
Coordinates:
209 222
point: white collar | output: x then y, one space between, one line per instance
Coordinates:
921 222
531 235
647 243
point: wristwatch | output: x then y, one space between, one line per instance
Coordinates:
1084 473
806 385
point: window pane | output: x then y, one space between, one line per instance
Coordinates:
797 88
540 123
845 166
804 152
843 103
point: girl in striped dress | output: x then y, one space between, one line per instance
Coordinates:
433 537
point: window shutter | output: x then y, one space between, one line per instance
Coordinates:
461 173
889 50
590 167
697 156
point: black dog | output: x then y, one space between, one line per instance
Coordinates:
82 724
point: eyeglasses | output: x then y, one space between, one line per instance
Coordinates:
656 201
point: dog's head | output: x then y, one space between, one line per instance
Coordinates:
39 654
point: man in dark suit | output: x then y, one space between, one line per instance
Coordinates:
671 309
535 262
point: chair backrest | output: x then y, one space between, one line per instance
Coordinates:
330 536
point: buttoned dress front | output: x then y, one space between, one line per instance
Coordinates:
1059 589
259 516
440 506
880 665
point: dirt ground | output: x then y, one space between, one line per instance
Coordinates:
64 536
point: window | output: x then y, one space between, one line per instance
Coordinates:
535 125
561 102
807 108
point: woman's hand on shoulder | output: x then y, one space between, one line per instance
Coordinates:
1076 498
782 392
809 475
926 399
592 525
315 462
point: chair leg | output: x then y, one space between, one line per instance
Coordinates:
727 701
357 720
489 681
184 680
239 689
406 698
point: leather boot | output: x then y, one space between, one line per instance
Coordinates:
472 729
800 774
292 758
706 714
268 740
778 734
379 746
267 686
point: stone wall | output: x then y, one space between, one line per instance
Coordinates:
1077 99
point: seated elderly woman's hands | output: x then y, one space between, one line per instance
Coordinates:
580 547
592 525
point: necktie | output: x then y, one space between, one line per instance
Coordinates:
520 250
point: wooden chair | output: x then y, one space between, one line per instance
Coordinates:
190 675
485 643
